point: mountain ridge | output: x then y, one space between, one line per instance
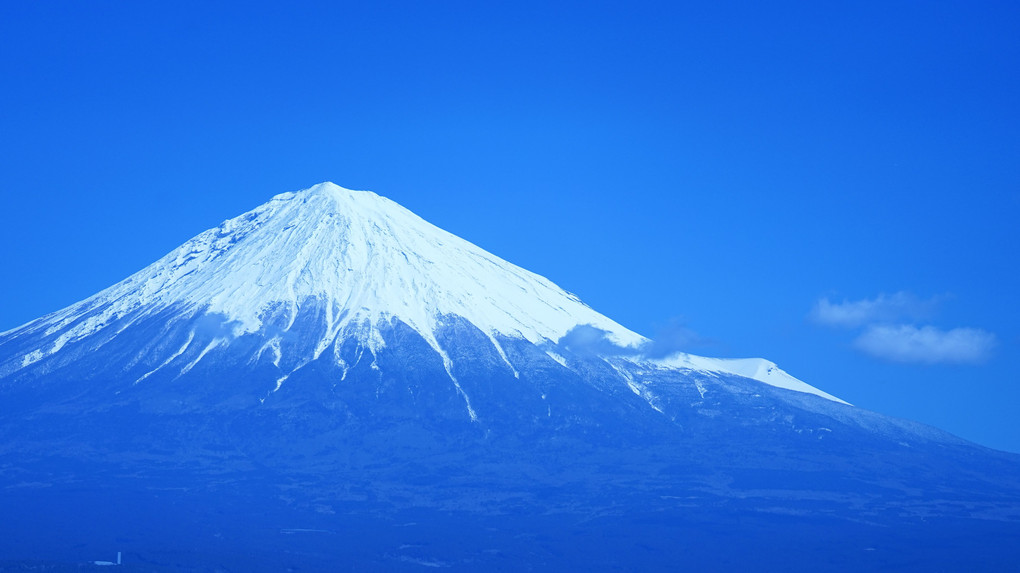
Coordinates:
364 260
296 433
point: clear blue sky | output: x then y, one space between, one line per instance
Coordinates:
726 166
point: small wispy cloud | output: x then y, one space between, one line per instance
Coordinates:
892 327
589 340
669 339
926 344
672 337
883 308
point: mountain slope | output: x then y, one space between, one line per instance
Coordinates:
357 259
362 256
328 367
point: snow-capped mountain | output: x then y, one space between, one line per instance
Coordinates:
358 262
360 256
330 379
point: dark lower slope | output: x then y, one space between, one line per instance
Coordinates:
373 462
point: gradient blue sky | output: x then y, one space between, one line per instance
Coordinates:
723 166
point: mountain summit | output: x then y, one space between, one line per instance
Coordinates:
361 259
349 264
330 379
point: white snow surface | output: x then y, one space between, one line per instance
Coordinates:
363 257
755 368
365 260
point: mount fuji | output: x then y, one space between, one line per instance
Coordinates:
330 382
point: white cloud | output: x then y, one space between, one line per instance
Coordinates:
883 308
671 338
927 344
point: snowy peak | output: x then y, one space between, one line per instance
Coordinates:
334 264
754 368
327 199
361 258
367 258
